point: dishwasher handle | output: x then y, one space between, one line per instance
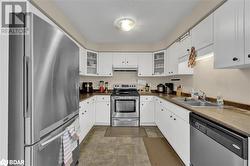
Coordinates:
232 141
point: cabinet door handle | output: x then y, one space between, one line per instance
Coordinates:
161 109
171 116
127 61
82 113
187 49
235 59
107 104
174 118
85 111
248 56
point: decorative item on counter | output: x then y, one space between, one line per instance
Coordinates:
192 58
101 86
106 87
147 87
220 100
194 94
179 91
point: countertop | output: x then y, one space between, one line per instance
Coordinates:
232 118
88 95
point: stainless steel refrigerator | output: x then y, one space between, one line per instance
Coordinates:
43 92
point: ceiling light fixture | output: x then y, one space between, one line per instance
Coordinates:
125 24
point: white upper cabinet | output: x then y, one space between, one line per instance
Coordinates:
229 35
125 60
82 61
183 68
202 34
145 64
131 60
159 59
105 62
173 53
185 45
247 31
92 63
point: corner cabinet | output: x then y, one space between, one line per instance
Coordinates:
229 35
159 59
247 31
105 64
145 64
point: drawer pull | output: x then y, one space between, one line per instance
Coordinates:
248 56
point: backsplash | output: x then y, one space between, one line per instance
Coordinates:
125 77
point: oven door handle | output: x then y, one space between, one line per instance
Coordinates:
126 120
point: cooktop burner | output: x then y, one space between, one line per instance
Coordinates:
125 90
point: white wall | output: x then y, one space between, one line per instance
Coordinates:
232 84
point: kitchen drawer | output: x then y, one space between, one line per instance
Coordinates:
146 98
102 98
177 110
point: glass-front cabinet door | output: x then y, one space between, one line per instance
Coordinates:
92 63
159 61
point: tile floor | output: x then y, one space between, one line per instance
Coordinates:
98 150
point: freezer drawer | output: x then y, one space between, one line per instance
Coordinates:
49 150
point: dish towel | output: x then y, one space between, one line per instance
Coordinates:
69 143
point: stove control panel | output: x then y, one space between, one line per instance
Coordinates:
125 86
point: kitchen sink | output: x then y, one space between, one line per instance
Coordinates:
196 103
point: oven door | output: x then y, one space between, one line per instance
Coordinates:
125 106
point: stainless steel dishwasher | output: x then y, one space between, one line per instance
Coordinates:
214 145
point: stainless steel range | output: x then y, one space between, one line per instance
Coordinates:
125 103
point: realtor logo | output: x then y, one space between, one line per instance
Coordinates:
13 14
13 18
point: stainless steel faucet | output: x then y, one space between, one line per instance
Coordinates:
203 95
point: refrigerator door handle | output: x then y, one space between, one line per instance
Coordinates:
45 143
27 85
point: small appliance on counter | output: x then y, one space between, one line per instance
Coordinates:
160 88
87 87
169 88
106 86
101 87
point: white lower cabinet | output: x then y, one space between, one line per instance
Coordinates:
147 113
173 121
102 116
86 116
